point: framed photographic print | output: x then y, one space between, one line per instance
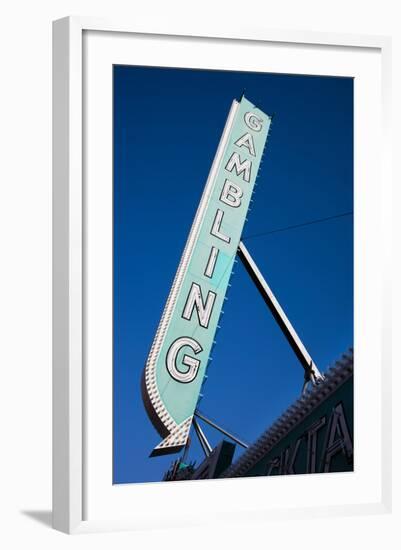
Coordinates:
219 265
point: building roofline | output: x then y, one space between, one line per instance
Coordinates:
335 377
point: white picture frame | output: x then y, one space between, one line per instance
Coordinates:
76 481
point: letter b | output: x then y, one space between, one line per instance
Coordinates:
231 194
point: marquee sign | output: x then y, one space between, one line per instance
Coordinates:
176 366
314 435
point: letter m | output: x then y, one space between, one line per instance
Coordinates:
240 167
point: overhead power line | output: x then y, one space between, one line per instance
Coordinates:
288 227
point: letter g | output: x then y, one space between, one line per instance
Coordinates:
187 360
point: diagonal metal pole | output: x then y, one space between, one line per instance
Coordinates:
207 449
220 429
312 373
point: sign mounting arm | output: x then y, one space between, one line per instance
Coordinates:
312 373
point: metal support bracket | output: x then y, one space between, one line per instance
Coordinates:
220 429
204 443
312 373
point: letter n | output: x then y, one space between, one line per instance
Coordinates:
203 311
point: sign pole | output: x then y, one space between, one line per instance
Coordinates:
220 429
207 449
312 373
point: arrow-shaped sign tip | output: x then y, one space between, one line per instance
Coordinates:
175 441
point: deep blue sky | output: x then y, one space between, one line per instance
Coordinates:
167 124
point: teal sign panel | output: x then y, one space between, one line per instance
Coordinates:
177 363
